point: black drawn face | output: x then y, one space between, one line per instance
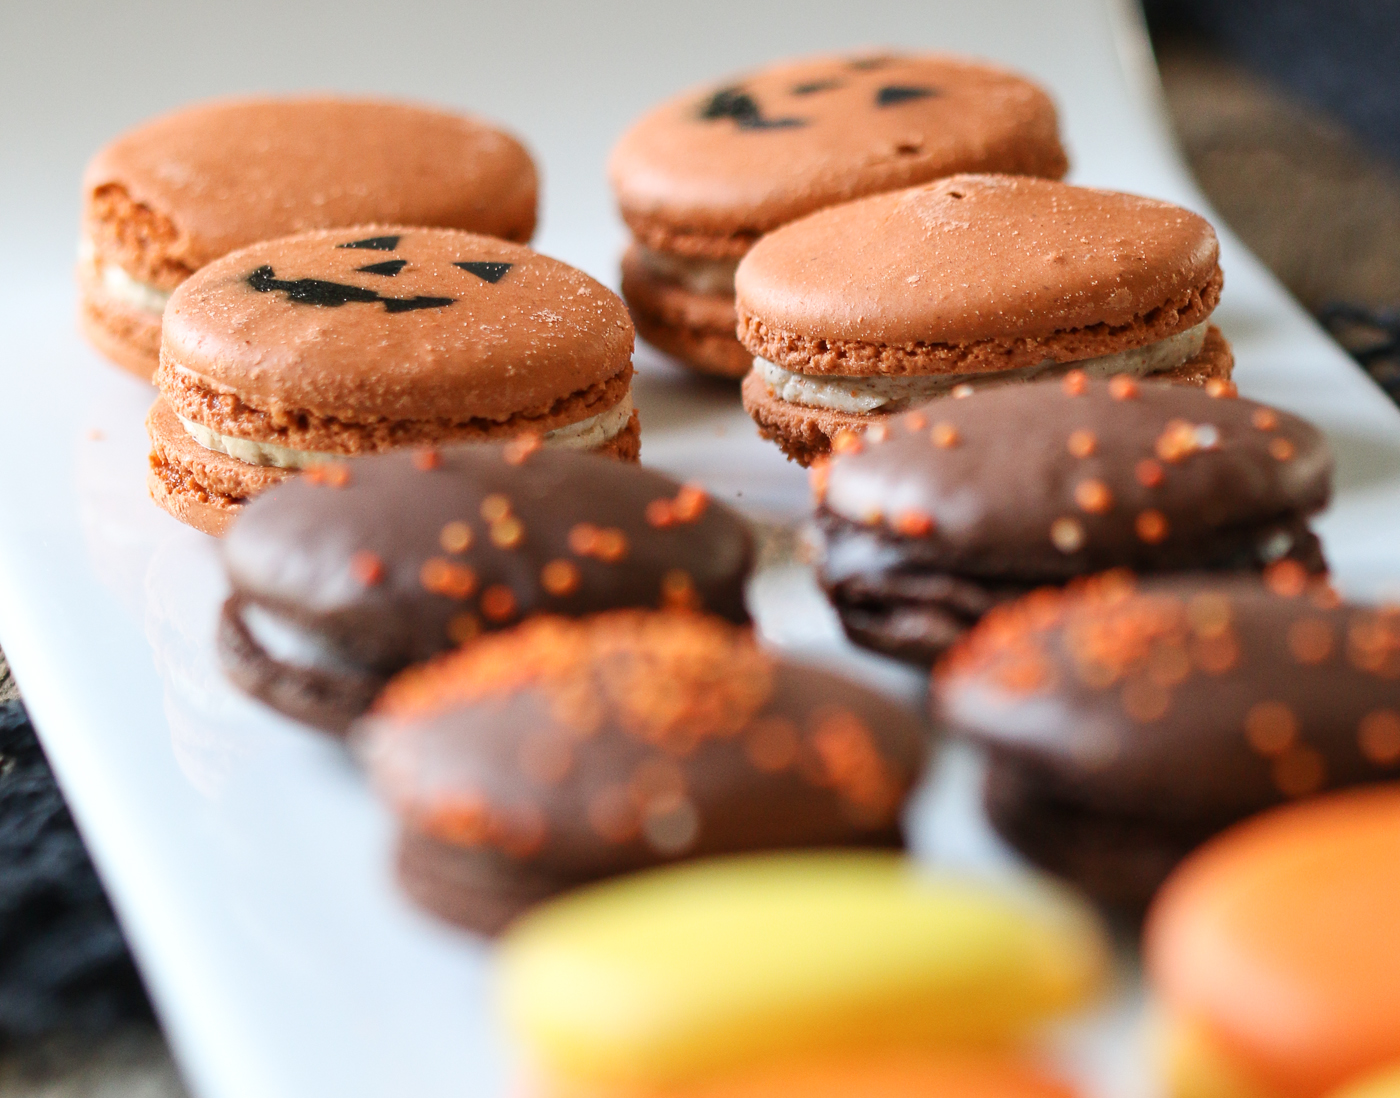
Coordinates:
332 294
801 104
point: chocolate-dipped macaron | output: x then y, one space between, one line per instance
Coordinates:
931 518
701 177
1128 721
301 350
566 750
870 308
179 191
346 575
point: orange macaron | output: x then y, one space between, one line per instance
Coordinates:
1274 953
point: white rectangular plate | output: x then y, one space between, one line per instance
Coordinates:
244 854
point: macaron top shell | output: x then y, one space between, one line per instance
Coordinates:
787 955
388 557
227 173
404 323
973 258
1052 479
598 745
1278 937
742 158
1183 699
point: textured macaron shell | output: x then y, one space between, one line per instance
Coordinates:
385 323
293 550
1278 940
1182 701
974 258
628 738
740 159
221 175
977 485
786 955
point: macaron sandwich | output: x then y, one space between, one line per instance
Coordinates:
178 192
879 305
296 352
701 177
341 580
1127 721
933 517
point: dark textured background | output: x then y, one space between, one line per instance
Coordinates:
1289 114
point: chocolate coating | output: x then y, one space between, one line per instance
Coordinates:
1127 721
345 566
950 509
568 750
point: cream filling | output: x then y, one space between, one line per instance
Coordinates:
121 287
586 434
861 395
694 273
291 644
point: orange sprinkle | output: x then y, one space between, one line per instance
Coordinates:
507 533
1379 736
659 513
1286 578
846 441
877 433
463 628
518 450
1176 442
1082 443
914 524
1310 640
1280 449
1209 614
560 578
915 422
1151 526
495 507
611 545
678 591
426 458
1093 496
1271 728
455 537
583 539
1299 772
445 577
1149 473
819 477
367 567
1122 387
1220 388
1266 419
1076 383
498 603
332 474
1067 535
462 821
945 436
690 503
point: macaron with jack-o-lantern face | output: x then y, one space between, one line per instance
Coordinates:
293 352
701 177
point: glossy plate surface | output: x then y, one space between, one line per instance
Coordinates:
244 854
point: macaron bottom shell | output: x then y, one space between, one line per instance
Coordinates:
675 975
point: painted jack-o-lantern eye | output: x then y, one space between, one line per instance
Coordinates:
739 105
332 295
